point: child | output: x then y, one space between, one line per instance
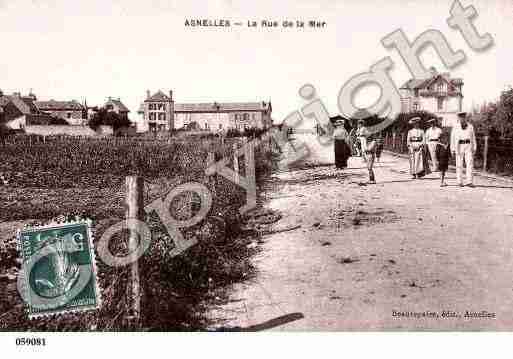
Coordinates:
443 154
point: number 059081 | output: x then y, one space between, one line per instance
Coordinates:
31 341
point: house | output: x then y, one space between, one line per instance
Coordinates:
115 105
159 112
439 94
17 111
73 112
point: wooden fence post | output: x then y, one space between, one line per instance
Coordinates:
134 210
393 140
249 160
236 162
403 143
485 153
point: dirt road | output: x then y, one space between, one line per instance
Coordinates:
364 251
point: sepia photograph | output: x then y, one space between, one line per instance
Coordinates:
328 166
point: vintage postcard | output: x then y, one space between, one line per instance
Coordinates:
234 166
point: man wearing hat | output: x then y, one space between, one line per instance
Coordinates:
368 147
433 134
415 141
463 146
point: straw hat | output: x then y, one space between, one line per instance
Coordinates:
414 120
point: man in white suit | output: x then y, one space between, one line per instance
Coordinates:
463 147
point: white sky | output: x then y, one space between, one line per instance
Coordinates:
94 49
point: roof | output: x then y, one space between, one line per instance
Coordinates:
117 103
424 83
24 104
222 107
159 96
59 105
217 107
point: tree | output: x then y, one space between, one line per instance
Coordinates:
504 114
108 118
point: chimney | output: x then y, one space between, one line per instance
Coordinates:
147 94
171 94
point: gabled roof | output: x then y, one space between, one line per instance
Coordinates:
414 83
117 103
24 104
424 83
222 107
59 105
157 97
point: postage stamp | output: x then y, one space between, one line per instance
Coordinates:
59 269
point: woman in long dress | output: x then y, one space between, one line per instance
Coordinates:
417 150
342 148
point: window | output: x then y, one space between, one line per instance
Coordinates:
253 116
152 116
440 101
69 115
415 107
206 125
237 116
246 117
162 116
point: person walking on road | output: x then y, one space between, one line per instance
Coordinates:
432 140
369 147
463 146
416 148
361 138
443 154
342 149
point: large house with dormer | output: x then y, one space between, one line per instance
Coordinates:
439 94
159 112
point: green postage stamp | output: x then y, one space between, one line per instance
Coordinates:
59 269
